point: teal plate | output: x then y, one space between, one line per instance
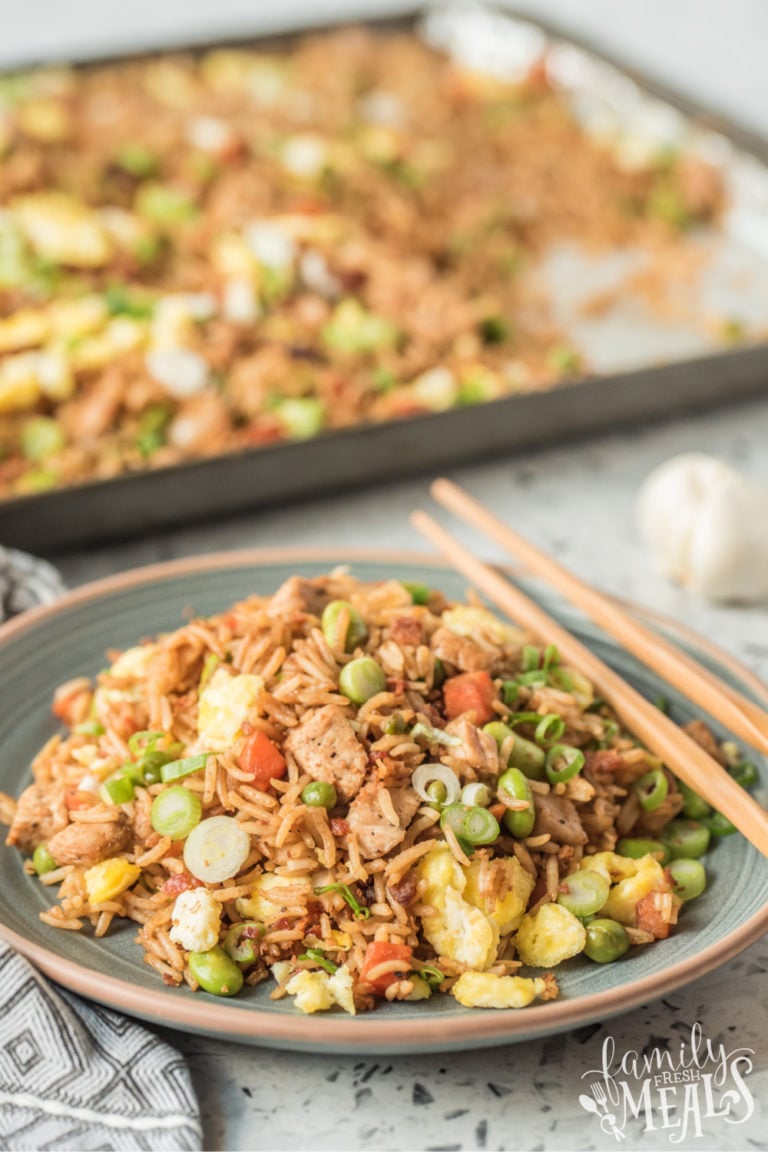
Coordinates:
50 645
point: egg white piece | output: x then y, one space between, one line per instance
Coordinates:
706 527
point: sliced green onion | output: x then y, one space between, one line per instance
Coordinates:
362 679
694 806
178 769
438 675
530 658
662 704
144 741
320 958
454 816
319 794
241 941
523 718
634 848
481 826
551 657
356 632
42 861
686 839
89 728
534 679
610 730
651 789
476 795
584 892
719 825
466 846
510 690
117 789
563 763
434 735
151 766
550 727
419 593
358 910
175 812
745 774
433 976
688 878
216 849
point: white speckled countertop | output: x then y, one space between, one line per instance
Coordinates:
576 502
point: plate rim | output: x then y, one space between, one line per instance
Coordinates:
349 1034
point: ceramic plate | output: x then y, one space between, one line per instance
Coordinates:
52 644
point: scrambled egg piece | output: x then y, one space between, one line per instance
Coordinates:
109 879
317 991
631 880
258 907
63 229
421 989
549 936
224 706
459 929
484 990
512 878
467 620
196 920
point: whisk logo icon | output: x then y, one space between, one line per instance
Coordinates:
670 1090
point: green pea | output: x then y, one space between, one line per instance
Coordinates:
419 593
513 785
745 774
394 725
437 792
688 877
137 160
510 690
361 679
694 807
42 861
175 812
329 622
584 892
216 972
719 825
686 839
41 437
498 730
319 794
241 942
528 757
606 941
635 848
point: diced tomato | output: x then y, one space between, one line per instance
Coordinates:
470 692
649 918
379 952
262 760
75 799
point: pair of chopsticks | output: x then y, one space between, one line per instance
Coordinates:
661 735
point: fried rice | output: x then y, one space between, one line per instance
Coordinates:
205 253
335 760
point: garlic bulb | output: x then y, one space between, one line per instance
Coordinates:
706 527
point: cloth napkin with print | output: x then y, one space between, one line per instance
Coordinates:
74 1075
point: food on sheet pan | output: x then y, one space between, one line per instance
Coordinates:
208 253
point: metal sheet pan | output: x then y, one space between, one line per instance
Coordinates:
647 371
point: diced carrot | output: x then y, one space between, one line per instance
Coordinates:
75 799
470 692
649 918
380 952
178 883
262 760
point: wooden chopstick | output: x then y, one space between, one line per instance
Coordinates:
743 717
673 746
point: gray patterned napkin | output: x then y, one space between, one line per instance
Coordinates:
74 1075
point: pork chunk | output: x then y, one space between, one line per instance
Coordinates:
557 815
40 814
376 834
88 844
299 596
478 748
324 745
460 651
